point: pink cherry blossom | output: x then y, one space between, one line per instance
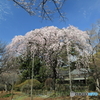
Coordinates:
49 39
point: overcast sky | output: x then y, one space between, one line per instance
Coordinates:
15 21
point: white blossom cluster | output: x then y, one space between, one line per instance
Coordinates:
49 39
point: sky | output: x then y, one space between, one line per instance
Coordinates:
16 21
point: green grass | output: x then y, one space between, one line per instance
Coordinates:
6 95
20 97
15 96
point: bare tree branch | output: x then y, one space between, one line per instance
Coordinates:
42 8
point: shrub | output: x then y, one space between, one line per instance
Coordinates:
92 87
27 84
26 88
49 83
2 87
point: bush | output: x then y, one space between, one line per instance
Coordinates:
49 83
2 87
26 88
27 85
92 87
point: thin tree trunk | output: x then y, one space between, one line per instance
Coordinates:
97 83
12 92
6 87
54 78
32 78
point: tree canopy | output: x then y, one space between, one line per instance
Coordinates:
48 43
51 45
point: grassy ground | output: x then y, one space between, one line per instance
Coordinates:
21 96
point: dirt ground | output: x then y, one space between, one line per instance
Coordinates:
57 98
38 98
64 98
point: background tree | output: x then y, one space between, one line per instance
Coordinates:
94 58
8 78
26 69
2 51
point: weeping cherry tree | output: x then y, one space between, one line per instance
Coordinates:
48 43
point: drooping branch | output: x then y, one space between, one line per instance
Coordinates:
43 8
